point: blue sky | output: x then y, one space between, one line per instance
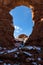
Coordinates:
22 20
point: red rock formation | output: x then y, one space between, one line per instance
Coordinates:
7 41
22 36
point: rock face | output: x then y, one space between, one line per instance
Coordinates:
6 29
22 37
32 52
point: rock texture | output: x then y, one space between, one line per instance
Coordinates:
32 52
22 37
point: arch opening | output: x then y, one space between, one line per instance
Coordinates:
22 20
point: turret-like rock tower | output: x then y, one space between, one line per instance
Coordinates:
32 52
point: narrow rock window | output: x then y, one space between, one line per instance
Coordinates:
22 20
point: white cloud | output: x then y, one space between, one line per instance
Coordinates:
17 29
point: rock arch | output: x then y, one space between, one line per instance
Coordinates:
6 18
6 28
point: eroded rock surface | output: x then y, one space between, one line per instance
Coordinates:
32 52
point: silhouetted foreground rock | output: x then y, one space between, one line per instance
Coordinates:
30 53
22 56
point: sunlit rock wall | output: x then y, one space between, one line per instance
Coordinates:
9 54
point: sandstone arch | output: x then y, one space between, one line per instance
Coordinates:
6 29
6 19
7 5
